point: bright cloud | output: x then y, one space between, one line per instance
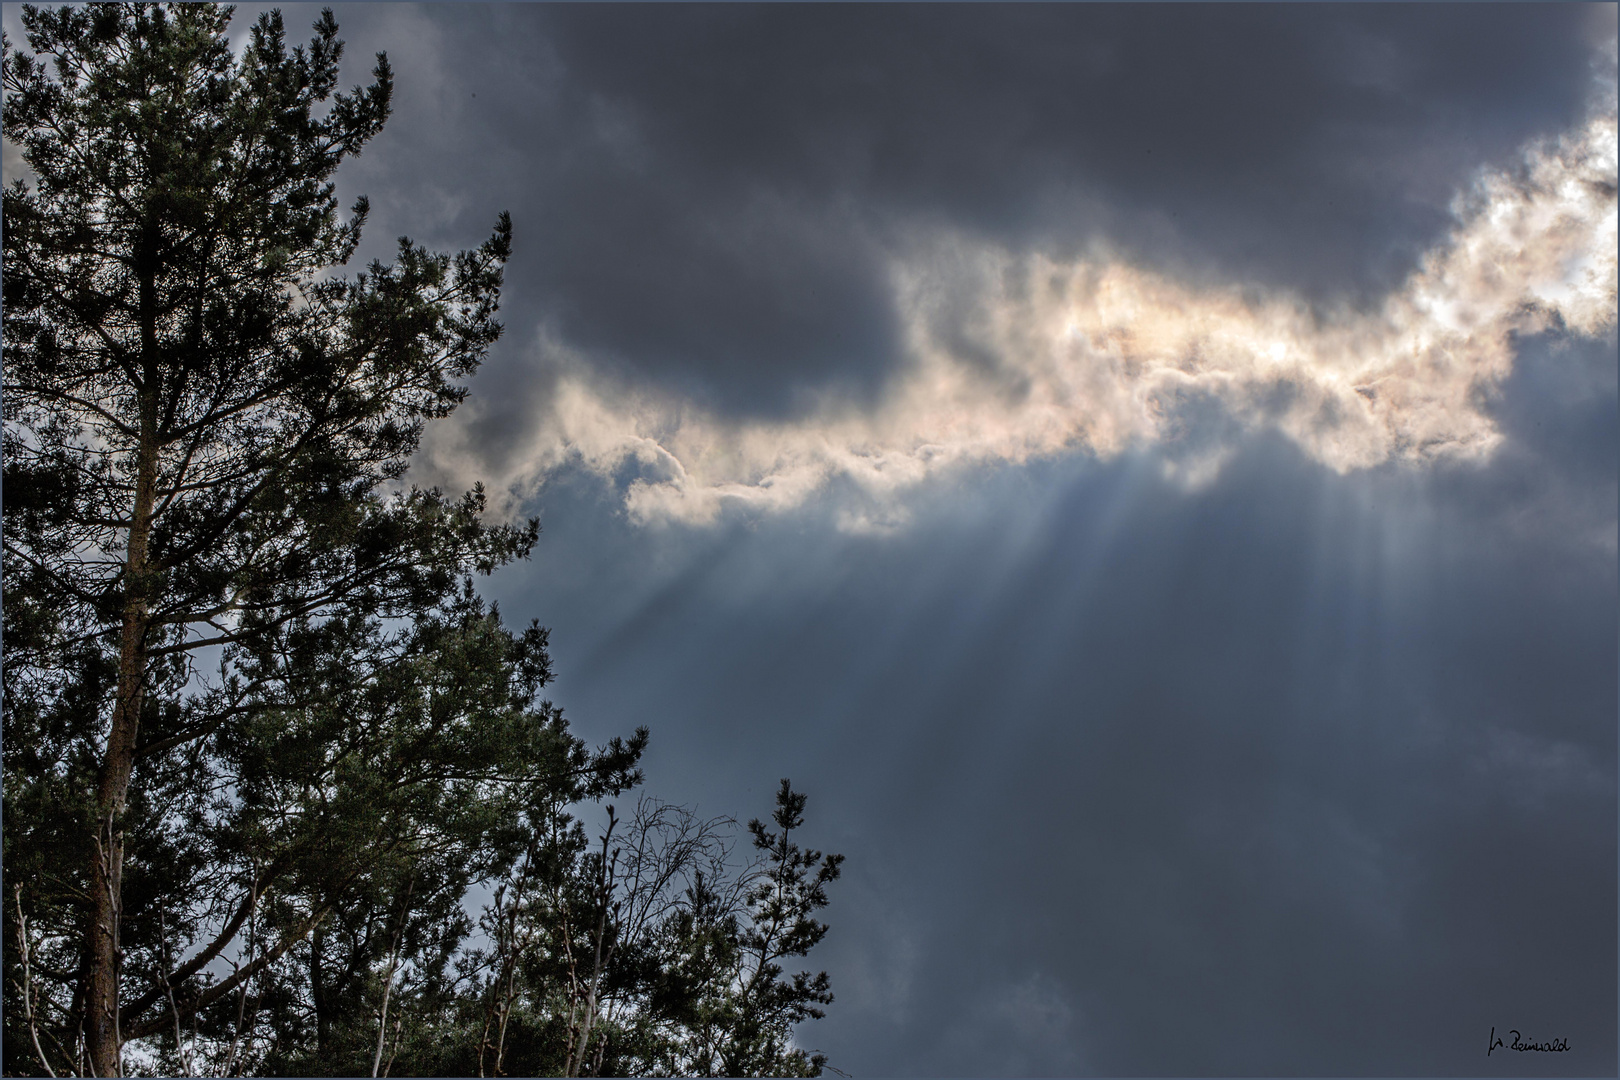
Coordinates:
1035 357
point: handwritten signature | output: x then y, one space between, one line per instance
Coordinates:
1555 1045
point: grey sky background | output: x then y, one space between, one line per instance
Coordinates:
1291 770
1295 772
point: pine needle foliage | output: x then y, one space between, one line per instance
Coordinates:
265 746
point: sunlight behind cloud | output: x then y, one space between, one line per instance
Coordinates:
1014 356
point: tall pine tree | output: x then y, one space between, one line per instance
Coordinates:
262 737
241 669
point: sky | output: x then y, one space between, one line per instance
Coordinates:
1147 472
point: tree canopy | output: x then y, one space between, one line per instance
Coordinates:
265 745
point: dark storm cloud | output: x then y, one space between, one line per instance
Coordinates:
704 194
1253 129
720 287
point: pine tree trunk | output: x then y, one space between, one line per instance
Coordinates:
317 992
103 1038
106 870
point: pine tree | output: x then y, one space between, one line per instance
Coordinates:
213 718
262 736
652 952
765 1007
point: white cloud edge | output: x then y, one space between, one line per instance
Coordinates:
1096 355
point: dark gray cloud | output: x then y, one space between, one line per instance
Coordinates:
1246 126
702 195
